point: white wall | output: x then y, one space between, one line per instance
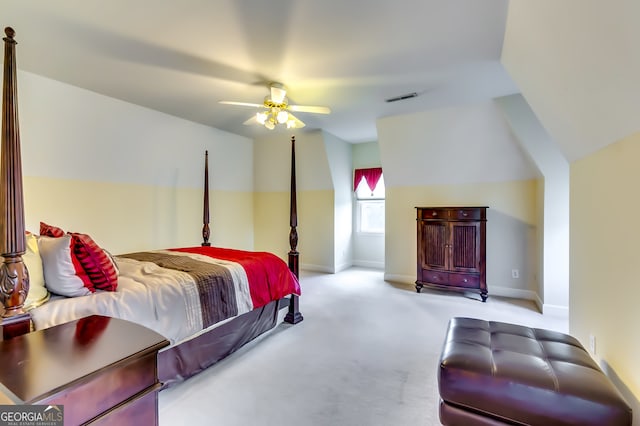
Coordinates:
554 269
339 157
580 71
461 156
129 176
457 145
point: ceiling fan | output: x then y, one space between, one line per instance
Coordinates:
277 110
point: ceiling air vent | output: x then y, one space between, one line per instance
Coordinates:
402 97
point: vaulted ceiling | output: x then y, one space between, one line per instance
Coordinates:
575 62
182 57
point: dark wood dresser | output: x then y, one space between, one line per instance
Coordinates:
452 249
102 370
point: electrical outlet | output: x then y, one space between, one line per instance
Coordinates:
592 344
515 273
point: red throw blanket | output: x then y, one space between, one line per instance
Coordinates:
269 277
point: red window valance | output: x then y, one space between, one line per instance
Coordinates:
371 176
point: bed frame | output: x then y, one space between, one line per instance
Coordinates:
175 363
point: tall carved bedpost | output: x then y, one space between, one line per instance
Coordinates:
293 316
14 277
205 213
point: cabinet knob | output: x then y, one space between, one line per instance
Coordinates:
465 280
434 214
464 213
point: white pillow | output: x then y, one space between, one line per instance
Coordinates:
38 293
60 274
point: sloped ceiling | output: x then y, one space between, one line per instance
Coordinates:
182 57
577 63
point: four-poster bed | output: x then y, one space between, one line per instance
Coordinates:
257 308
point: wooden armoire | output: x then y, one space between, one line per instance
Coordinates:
452 249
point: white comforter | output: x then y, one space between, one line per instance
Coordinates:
161 299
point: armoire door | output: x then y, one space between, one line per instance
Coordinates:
464 255
435 244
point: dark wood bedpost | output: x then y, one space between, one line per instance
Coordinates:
293 316
14 277
205 214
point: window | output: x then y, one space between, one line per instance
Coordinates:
371 216
370 207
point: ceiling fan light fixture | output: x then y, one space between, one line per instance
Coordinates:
278 93
277 110
261 117
282 116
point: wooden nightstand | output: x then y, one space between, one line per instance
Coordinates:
103 370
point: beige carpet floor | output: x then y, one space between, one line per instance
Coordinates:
366 354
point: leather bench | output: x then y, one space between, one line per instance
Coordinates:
495 373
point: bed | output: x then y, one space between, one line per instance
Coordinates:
207 301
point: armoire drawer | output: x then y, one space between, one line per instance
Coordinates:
435 277
435 214
466 214
464 280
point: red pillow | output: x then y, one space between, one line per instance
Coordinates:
95 262
50 231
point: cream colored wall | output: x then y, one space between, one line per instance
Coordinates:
128 176
137 217
315 227
604 289
511 230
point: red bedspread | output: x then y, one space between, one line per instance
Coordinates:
269 277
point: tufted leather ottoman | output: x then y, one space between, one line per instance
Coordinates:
494 373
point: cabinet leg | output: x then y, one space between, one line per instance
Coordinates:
484 296
418 287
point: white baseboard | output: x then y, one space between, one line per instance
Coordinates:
405 279
368 264
514 293
538 302
343 267
555 310
317 268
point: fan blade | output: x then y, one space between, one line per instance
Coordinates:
297 123
307 108
251 121
247 104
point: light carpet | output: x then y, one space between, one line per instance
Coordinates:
366 354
